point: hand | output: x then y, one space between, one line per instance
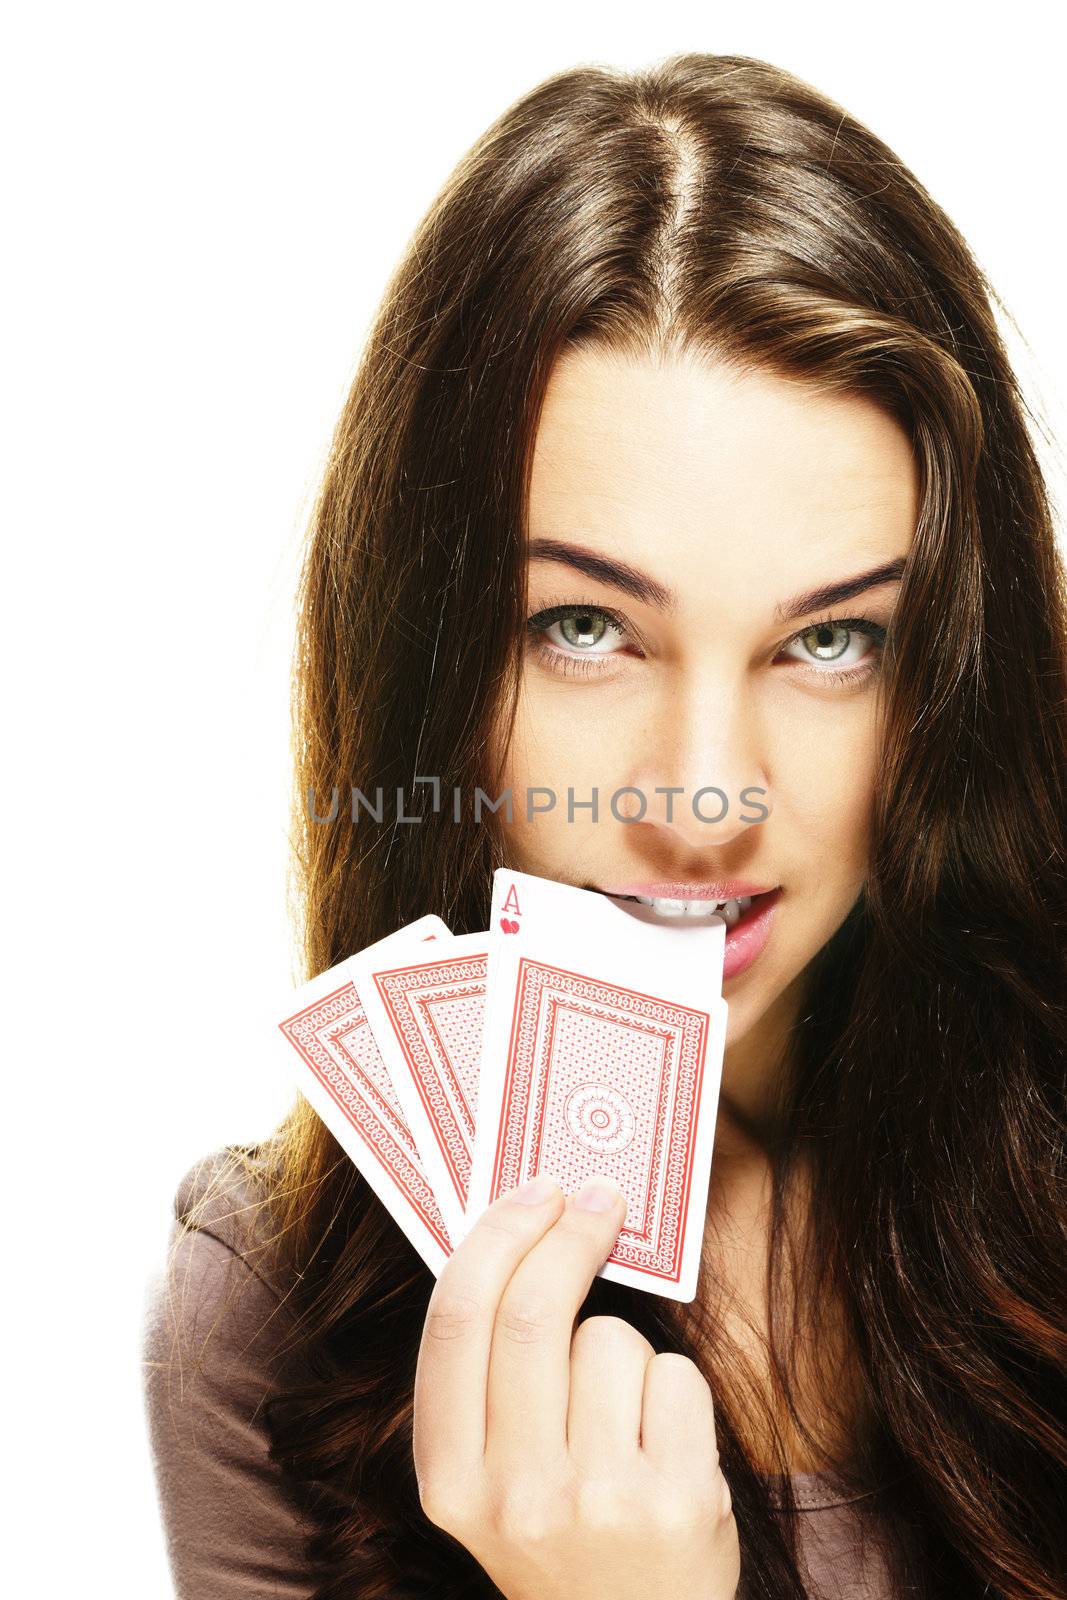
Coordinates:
572 1468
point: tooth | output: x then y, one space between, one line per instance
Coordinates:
730 913
669 908
699 908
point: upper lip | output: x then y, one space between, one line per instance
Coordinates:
724 889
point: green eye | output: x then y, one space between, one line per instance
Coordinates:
584 628
831 640
581 627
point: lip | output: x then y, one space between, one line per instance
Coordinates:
747 939
721 889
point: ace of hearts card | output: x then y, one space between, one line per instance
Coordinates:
602 1053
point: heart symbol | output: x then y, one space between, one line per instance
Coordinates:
509 926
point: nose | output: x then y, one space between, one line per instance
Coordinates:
702 768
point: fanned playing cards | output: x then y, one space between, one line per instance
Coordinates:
576 1036
338 1068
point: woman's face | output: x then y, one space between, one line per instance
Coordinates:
681 515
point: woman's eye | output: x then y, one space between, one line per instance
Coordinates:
837 642
567 635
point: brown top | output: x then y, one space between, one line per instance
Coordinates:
232 1531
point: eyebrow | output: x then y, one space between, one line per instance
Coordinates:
640 586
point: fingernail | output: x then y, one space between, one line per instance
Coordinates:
597 1194
535 1190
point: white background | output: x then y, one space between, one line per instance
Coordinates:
203 203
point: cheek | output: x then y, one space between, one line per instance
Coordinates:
555 745
827 790
558 747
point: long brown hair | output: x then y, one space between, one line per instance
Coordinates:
715 203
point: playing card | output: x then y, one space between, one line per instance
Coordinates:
602 1053
425 1008
338 1067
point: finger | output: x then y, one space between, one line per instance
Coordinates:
678 1417
451 1373
608 1361
529 1364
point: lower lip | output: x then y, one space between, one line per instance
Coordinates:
747 939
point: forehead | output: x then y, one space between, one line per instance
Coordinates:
687 462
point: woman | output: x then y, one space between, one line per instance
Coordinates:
684 452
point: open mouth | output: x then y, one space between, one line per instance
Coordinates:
748 920
731 912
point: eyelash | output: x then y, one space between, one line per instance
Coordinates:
565 665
